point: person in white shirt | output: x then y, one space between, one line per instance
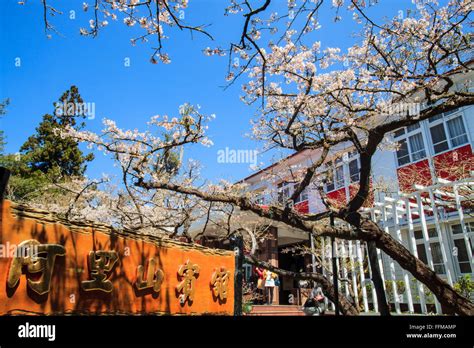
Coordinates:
269 277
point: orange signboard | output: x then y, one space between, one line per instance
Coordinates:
50 267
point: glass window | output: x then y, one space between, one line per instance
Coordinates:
463 258
352 153
413 127
457 131
329 177
457 229
339 177
432 233
303 196
447 113
420 248
399 132
438 137
437 258
460 244
354 170
329 184
436 118
403 155
418 234
283 192
417 147
435 247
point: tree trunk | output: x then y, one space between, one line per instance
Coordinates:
384 308
238 247
445 294
4 176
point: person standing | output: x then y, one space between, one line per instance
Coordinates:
269 277
260 284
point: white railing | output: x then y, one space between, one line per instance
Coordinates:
440 206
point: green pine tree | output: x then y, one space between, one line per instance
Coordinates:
24 184
3 111
47 151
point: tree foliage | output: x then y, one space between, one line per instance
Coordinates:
24 184
47 151
3 111
46 157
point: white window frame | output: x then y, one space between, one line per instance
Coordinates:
339 182
460 236
331 176
342 162
431 240
302 197
444 121
357 159
284 191
405 136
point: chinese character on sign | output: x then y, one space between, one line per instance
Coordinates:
100 264
189 273
38 258
154 279
220 283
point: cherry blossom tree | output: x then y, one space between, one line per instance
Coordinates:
314 97
154 17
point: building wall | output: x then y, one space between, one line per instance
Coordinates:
398 178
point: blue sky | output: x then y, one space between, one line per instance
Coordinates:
131 95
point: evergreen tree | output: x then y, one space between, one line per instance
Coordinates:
24 184
47 151
171 159
3 105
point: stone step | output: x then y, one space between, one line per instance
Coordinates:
276 310
276 307
276 313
